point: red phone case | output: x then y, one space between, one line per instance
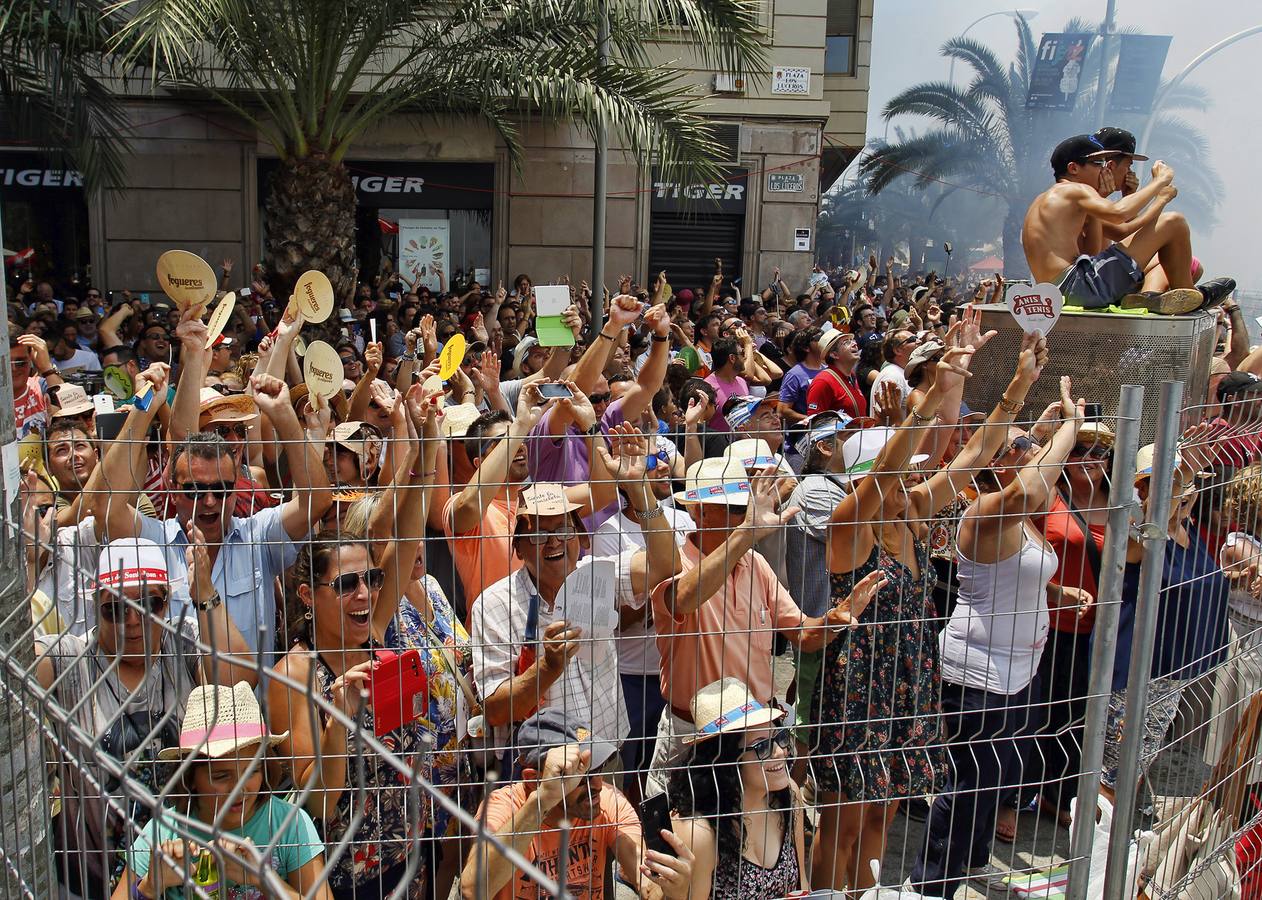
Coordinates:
399 689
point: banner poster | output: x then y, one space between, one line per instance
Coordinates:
1057 71
423 251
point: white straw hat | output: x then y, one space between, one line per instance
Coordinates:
219 720
727 705
716 479
859 452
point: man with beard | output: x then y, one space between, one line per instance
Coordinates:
535 646
559 765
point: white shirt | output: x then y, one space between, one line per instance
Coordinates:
80 359
69 577
637 642
498 619
892 372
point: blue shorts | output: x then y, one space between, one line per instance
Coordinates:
1096 281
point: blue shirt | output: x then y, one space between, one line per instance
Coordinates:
794 386
255 550
1191 614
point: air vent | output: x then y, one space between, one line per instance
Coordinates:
728 136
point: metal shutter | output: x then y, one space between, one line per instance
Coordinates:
685 245
843 17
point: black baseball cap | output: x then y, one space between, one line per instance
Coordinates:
1237 384
1076 149
1119 140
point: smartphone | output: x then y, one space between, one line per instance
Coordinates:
654 817
555 392
1093 412
245 292
108 425
399 690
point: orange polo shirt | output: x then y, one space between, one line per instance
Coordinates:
484 555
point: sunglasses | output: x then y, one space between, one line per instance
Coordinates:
600 398
762 749
1091 452
1022 445
226 431
195 491
19 363
347 582
115 610
540 537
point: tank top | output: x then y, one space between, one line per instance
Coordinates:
995 636
743 879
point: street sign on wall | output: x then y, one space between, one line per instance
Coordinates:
790 80
786 182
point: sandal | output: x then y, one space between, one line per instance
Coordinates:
1006 825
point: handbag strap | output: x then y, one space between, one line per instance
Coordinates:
1088 539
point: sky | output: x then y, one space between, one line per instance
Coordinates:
904 52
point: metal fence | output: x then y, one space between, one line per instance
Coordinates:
938 721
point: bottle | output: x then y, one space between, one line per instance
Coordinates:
207 875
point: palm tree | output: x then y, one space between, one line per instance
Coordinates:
312 77
985 139
52 93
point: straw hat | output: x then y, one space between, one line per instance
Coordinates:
1096 433
923 354
543 499
217 407
457 419
716 479
219 720
361 438
859 452
727 705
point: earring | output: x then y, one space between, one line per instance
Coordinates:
307 614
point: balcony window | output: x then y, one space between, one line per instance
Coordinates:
841 33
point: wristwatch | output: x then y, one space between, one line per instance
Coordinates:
207 605
648 515
661 338
408 357
593 430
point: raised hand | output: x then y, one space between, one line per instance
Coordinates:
530 406
201 588
624 310
271 396
1162 172
573 320
39 351
658 320
1197 447
316 418
1107 184
500 293
560 644
564 769
971 333
764 496
889 398
372 359
847 610
671 874
1070 408
350 689
1032 358
695 413
156 376
954 363
579 406
627 460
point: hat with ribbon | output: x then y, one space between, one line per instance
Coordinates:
219 720
716 479
860 451
728 705
131 562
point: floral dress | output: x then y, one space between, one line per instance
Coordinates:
385 834
442 643
881 736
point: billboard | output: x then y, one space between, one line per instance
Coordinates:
1140 59
1058 71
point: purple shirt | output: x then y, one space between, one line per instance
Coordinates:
564 460
794 385
723 390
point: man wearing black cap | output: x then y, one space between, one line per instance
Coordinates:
1065 242
559 765
1120 167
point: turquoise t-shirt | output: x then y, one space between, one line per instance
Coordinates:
298 845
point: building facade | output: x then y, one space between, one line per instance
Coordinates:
198 181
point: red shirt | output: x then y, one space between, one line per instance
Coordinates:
1065 536
30 411
830 390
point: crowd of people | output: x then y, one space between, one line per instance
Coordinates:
691 605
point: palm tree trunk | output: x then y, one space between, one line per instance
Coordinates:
1014 265
309 218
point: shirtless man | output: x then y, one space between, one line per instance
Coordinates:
1065 241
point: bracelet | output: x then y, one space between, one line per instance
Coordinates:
661 338
605 336
1010 406
408 357
594 430
919 419
648 515
51 370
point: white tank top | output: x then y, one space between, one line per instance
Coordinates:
996 634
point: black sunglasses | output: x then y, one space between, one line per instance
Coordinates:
1021 444
157 336
762 749
600 398
1091 452
195 491
349 581
115 610
238 431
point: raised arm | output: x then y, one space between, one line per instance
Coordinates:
124 467
312 495
653 373
623 310
194 363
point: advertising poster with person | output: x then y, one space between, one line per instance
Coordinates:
423 245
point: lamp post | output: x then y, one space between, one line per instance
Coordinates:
1026 14
1110 13
1187 70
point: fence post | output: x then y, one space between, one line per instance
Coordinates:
1104 636
26 868
1155 534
